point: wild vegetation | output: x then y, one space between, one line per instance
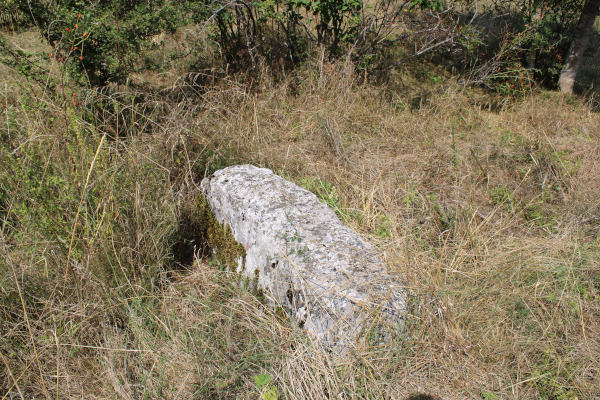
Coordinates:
433 129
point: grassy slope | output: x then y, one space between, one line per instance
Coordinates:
492 217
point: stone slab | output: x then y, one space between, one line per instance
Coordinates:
304 259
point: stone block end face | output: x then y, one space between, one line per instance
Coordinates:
303 259
228 251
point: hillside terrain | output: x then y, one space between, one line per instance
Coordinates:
487 202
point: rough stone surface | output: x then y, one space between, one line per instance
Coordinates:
304 259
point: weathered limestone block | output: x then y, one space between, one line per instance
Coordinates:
301 256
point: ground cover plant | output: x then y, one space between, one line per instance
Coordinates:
486 200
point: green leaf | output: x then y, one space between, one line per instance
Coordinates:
220 384
262 380
270 394
489 396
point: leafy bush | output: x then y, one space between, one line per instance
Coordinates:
10 15
337 20
538 34
101 41
281 29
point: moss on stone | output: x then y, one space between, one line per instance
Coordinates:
258 293
260 296
282 314
219 236
228 250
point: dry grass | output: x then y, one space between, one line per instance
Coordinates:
493 217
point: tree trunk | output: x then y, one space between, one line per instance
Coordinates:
533 21
590 11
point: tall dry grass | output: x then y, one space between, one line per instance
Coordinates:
492 217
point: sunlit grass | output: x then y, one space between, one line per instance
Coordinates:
491 216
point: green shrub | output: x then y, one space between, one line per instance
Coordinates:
101 41
10 15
